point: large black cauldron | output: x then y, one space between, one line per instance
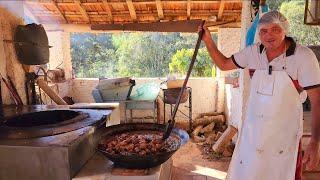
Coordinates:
134 161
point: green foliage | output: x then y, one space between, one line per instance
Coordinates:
275 4
132 54
304 34
294 11
202 68
92 55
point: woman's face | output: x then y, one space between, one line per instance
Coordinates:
271 36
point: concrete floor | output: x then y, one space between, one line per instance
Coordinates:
188 163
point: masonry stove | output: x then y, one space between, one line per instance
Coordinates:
48 142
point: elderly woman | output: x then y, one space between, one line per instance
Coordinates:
268 141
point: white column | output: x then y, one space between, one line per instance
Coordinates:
230 42
244 79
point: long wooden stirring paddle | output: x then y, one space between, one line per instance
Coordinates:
171 122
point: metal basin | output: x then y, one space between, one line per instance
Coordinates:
140 162
47 123
41 118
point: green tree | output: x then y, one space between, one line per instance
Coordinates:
275 4
92 55
128 54
181 60
304 34
148 54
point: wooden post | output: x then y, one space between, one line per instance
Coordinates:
53 95
225 138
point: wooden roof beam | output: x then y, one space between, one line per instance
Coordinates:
178 2
108 9
188 9
171 26
82 10
132 11
221 8
59 11
137 2
168 13
159 9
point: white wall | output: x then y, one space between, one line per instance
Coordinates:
60 57
228 44
236 99
204 94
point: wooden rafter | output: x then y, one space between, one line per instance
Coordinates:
168 13
221 8
140 11
108 9
181 2
159 9
132 11
139 2
59 11
171 26
82 10
188 9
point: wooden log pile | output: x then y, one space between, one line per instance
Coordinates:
213 135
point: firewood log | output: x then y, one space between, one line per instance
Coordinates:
225 138
208 114
195 134
197 130
227 152
199 139
208 128
216 119
219 134
208 119
224 127
211 138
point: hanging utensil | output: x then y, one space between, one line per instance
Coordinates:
171 122
13 93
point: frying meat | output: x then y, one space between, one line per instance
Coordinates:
139 143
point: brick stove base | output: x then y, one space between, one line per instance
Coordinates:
99 167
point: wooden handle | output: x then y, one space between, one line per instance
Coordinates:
225 138
53 95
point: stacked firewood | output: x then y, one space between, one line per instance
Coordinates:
210 131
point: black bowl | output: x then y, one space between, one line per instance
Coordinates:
135 161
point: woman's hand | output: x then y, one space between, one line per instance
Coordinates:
311 156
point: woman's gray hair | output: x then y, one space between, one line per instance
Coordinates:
274 17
